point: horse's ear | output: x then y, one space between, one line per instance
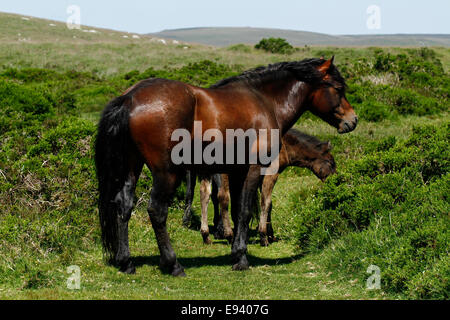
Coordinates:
326 66
325 146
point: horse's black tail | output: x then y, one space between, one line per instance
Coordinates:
112 148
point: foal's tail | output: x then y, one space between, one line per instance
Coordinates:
111 159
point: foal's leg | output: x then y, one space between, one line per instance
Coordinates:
164 186
124 201
224 200
242 217
190 187
266 207
205 192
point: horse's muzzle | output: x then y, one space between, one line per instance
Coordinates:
346 126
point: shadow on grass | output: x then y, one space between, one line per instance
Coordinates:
223 260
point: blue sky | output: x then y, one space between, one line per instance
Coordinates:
325 16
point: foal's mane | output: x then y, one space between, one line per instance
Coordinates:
304 138
304 70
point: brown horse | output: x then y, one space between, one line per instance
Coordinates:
298 149
138 127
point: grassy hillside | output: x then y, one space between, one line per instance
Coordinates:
228 36
387 205
25 29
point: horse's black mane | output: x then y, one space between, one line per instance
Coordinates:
305 70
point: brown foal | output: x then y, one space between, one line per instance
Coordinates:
298 149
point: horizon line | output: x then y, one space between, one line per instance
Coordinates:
230 27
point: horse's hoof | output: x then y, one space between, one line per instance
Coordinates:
241 265
264 242
178 271
128 268
205 236
218 236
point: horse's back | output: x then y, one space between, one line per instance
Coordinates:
231 107
158 107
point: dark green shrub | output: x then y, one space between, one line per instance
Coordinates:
14 97
373 111
275 45
30 74
203 73
389 208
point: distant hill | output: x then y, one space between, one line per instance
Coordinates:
21 28
228 36
16 28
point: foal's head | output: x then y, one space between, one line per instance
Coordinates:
323 164
308 151
327 99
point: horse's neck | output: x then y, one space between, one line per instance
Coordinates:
289 98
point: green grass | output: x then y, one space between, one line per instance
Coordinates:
277 272
51 95
281 271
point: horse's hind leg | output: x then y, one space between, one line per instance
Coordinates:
164 186
124 201
205 193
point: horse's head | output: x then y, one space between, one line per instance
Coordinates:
323 165
327 99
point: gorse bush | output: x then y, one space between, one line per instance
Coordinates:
390 209
203 73
15 98
413 83
275 45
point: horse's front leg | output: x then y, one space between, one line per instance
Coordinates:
248 188
164 186
266 207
